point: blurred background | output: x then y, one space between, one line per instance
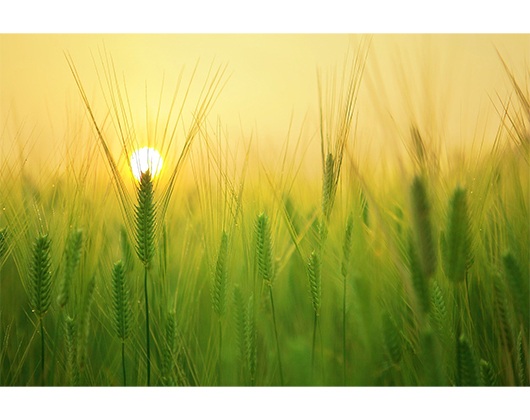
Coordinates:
451 86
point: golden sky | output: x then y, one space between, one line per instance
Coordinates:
449 83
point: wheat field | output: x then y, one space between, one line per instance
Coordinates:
356 248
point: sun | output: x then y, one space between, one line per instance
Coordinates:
144 159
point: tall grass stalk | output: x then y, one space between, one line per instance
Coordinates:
41 288
71 350
345 268
72 256
266 271
422 227
122 310
219 286
315 286
145 224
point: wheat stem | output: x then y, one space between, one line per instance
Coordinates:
147 335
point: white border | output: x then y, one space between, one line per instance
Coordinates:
247 16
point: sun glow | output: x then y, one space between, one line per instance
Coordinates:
145 159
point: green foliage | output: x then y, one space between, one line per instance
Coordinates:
40 276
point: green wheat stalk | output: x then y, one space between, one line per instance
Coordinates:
145 224
266 270
41 287
487 374
345 268
456 241
422 228
251 340
328 186
85 323
516 286
170 348
3 244
467 374
72 256
219 286
392 338
71 350
122 309
419 281
126 250
239 315
522 363
314 275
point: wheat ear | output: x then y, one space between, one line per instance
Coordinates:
422 228
266 270
72 254
122 310
219 293
145 224
41 287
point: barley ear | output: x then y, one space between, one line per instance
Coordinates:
3 243
219 285
456 242
250 340
501 312
264 248
419 281
392 338
40 276
422 228
346 246
170 349
516 285
522 362
315 281
487 374
145 219
71 350
72 255
438 313
466 366
121 302
239 321
328 186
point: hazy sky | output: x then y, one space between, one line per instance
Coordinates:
446 82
